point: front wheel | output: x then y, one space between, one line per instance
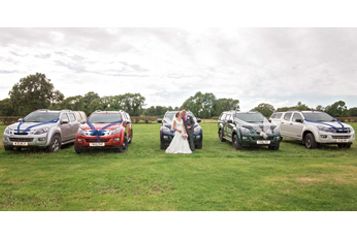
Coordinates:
274 147
8 148
309 141
55 144
236 143
221 135
344 146
77 149
126 143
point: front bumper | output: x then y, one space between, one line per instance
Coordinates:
167 137
112 141
256 140
335 138
26 141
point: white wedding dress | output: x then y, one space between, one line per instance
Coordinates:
179 144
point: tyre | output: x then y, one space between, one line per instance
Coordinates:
309 141
125 144
235 142
162 145
77 149
55 144
274 147
221 135
131 137
344 146
199 145
8 148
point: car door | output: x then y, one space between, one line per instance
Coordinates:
296 126
285 124
229 126
65 127
74 125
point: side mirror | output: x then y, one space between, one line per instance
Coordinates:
299 120
269 120
230 121
20 119
64 121
159 120
199 120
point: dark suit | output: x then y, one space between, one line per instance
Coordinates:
190 122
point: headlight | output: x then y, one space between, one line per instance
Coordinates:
326 129
41 131
8 131
245 131
197 130
83 132
166 130
116 131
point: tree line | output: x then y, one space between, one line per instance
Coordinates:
36 91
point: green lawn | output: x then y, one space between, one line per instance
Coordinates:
214 178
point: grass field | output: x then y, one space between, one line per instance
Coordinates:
214 178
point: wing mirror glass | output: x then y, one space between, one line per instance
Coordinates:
20 119
159 120
230 121
299 120
199 120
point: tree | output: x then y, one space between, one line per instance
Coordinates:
201 104
352 112
225 104
320 108
265 109
337 109
34 92
132 103
157 110
299 107
73 103
6 108
90 102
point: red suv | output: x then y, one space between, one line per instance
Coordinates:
105 129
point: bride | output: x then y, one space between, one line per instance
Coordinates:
179 144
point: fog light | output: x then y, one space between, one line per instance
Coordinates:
117 139
244 137
166 137
42 139
323 136
198 136
80 140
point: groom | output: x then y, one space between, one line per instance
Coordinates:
189 124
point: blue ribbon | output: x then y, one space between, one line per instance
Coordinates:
38 124
98 132
326 124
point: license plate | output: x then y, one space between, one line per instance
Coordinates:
97 144
20 143
342 140
263 142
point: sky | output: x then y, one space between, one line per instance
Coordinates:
281 66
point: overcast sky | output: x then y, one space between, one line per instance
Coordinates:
167 65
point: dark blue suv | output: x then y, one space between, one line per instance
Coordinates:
166 133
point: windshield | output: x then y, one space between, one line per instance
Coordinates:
170 115
105 117
250 117
41 116
318 116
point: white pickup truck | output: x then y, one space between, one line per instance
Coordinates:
313 128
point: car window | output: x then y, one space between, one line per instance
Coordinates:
296 116
223 116
72 117
127 116
277 115
287 116
64 117
228 117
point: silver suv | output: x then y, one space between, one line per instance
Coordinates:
44 129
314 128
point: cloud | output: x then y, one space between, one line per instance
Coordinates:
166 65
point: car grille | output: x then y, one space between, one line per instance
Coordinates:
90 140
341 137
14 139
343 130
21 133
